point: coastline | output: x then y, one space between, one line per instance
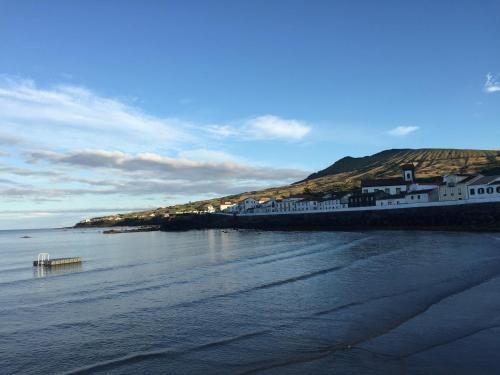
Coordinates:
480 217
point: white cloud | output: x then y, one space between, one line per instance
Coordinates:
273 127
66 116
69 114
492 84
401 131
267 127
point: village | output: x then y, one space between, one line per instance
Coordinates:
393 193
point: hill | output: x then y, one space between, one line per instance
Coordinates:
343 174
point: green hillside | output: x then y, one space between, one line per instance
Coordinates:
343 174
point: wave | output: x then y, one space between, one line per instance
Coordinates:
165 352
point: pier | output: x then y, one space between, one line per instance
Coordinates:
44 260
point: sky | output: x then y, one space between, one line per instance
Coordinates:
112 106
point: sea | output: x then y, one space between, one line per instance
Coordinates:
251 302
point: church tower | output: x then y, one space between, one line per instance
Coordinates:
408 172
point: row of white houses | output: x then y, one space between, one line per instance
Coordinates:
380 193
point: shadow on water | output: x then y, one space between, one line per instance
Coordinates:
57 270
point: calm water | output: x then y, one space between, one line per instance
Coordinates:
240 302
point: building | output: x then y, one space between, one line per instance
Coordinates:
226 206
486 187
422 196
393 186
404 191
408 173
387 185
454 186
360 199
246 204
391 200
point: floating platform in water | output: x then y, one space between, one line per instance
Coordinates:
44 260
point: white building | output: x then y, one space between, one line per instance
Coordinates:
247 204
454 186
392 200
227 206
486 187
422 196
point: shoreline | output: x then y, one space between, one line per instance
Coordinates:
481 217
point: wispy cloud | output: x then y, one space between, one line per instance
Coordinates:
492 83
401 131
267 127
274 127
64 114
155 165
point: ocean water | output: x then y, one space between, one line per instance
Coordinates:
244 302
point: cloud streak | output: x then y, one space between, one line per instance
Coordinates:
402 131
155 165
267 127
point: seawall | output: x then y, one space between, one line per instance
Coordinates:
471 217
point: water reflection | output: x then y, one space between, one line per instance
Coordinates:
57 270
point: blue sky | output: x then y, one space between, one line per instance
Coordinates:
119 105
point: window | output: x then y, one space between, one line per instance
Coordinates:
498 189
472 191
365 191
398 190
412 197
489 190
387 190
418 196
480 191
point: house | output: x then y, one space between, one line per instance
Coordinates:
360 199
334 201
422 196
454 186
391 186
329 204
226 206
209 208
246 204
391 200
306 205
486 187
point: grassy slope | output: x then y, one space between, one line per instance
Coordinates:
348 172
